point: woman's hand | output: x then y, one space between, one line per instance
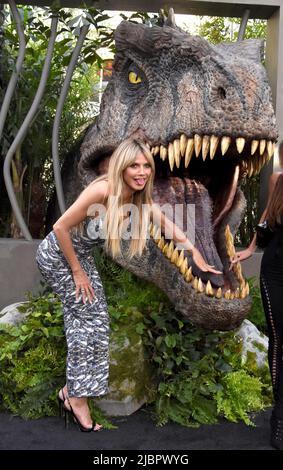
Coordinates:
201 264
83 286
241 256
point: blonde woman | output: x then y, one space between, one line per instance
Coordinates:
65 261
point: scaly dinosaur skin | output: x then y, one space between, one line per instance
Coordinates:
206 112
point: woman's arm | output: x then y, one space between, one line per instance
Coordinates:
74 215
167 226
245 254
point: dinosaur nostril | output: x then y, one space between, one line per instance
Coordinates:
221 93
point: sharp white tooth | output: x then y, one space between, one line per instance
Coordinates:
152 150
254 146
176 146
205 146
163 152
214 140
270 148
189 152
165 249
247 288
219 293
156 150
197 142
180 259
171 156
161 243
147 144
240 143
183 144
225 142
195 283
227 294
174 256
170 250
200 286
250 168
184 266
208 290
189 274
262 146
243 293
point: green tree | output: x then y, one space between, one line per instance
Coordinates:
31 167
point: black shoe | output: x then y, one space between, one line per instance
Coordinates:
61 401
276 432
70 411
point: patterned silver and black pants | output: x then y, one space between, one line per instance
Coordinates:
86 325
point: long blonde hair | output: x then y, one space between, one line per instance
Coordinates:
275 208
124 155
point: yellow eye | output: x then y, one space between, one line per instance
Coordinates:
134 78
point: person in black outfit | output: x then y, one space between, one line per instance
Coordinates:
271 285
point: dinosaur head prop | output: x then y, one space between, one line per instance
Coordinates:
206 113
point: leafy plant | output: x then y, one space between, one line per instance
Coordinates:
256 315
199 375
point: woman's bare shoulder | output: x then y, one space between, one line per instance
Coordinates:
98 190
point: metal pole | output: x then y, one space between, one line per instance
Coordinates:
18 67
55 134
24 128
243 25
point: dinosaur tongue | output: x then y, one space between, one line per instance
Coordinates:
177 193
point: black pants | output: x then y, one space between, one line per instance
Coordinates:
271 283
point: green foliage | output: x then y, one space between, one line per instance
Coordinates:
34 165
197 372
32 360
199 375
256 314
217 29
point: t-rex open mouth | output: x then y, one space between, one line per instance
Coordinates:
204 171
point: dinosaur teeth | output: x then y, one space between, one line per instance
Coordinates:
254 146
262 145
225 142
163 152
185 147
240 143
178 258
171 156
198 144
214 140
205 146
183 144
177 155
189 152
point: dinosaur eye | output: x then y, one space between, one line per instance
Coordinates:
134 78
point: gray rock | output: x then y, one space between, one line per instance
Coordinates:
254 342
10 315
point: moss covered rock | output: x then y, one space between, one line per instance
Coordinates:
130 377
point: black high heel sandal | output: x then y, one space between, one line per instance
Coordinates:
76 419
61 402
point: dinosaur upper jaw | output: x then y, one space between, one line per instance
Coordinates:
202 172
